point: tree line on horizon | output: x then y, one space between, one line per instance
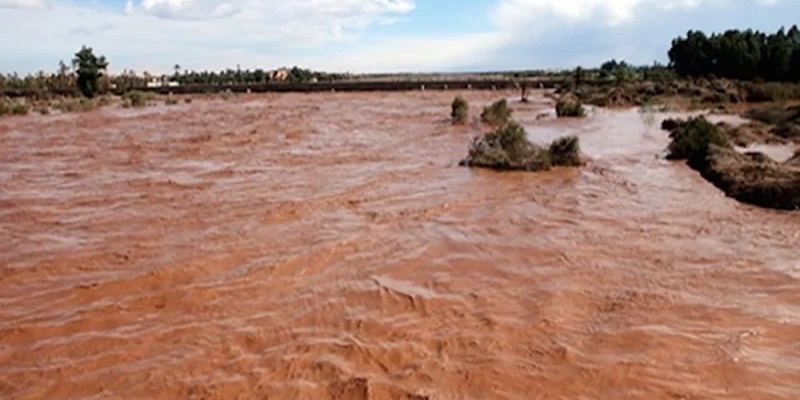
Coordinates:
86 76
734 54
739 55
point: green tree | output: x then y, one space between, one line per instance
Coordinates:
89 69
738 55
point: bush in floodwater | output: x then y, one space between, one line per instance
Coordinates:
226 94
565 151
77 104
498 114
13 107
756 92
459 111
772 114
569 108
508 148
136 98
692 139
171 101
20 108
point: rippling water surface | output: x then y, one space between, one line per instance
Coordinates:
317 246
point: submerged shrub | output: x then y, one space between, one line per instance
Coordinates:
498 114
773 114
565 151
136 98
508 148
171 101
77 104
691 140
20 108
459 111
226 94
670 124
569 108
772 91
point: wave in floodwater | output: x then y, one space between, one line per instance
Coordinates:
317 246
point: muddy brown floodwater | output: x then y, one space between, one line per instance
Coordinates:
327 246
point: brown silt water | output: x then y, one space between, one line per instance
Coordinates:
327 246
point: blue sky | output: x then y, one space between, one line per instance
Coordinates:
365 35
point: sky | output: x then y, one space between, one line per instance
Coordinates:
363 36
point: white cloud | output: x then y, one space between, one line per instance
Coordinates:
23 3
567 33
610 12
188 9
353 34
194 33
270 10
411 54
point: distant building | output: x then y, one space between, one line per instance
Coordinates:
281 74
155 82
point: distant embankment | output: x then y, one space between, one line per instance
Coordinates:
360 86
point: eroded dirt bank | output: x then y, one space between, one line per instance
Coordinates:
327 246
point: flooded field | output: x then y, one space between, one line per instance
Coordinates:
327 246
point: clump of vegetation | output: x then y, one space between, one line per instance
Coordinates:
171 101
751 177
187 100
755 178
226 95
498 114
569 108
507 148
756 92
620 71
136 98
772 114
459 111
692 139
670 124
76 104
565 151
13 107
785 120
20 108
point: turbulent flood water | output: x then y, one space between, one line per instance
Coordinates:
327 246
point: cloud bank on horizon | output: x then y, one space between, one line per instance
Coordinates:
366 35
